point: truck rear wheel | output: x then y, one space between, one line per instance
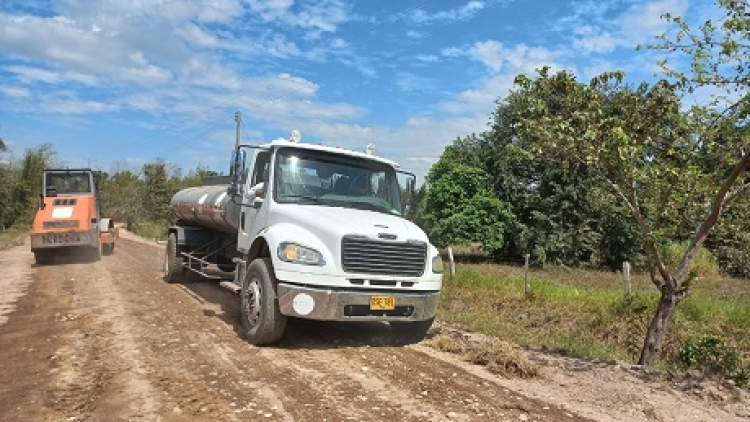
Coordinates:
44 257
411 332
108 248
173 268
260 317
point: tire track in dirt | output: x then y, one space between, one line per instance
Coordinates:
101 372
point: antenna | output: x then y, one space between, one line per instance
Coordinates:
238 119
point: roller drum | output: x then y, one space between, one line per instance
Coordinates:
207 206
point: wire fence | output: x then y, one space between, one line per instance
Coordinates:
474 255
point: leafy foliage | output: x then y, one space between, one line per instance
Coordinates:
460 208
713 356
157 191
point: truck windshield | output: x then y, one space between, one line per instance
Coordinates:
68 182
320 178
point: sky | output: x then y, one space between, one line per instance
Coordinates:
114 84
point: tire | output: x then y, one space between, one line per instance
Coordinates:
411 332
44 257
174 270
95 254
261 320
108 249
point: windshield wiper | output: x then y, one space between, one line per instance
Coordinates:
366 206
315 199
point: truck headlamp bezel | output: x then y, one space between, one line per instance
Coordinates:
437 264
298 254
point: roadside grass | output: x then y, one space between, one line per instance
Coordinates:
584 313
12 237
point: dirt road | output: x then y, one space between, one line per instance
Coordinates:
111 341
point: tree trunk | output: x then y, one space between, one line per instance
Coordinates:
658 328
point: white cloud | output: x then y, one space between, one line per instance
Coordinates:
14 92
597 27
319 15
428 58
502 65
28 74
592 39
75 106
410 82
286 84
464 12
490 53
519 58
194 35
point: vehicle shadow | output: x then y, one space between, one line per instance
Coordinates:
65 257
299 333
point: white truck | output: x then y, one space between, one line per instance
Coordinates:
309 231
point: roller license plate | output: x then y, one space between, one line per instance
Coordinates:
57 238
382 303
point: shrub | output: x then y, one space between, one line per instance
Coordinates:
713 356
154 230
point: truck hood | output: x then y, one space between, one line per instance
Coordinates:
336 222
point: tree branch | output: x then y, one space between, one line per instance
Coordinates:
720 199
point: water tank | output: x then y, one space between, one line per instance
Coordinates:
207 206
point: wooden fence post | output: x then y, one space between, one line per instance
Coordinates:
526 277
452 262
626 279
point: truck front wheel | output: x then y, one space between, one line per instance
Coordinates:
411 332
173 268
260 318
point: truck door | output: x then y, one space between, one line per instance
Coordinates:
254 194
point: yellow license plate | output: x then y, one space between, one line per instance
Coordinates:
382 303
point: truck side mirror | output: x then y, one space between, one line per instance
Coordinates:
234 190
239 161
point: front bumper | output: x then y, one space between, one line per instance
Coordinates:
55 240
346 305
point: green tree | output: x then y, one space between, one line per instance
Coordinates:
563 213
460 207
196 177
7 187
719 52
651 155
122 197
730 240
157 191
29 182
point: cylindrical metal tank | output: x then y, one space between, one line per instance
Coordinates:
207 206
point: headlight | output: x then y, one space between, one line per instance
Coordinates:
292 252
437 264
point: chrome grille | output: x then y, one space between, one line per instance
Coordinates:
369 256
